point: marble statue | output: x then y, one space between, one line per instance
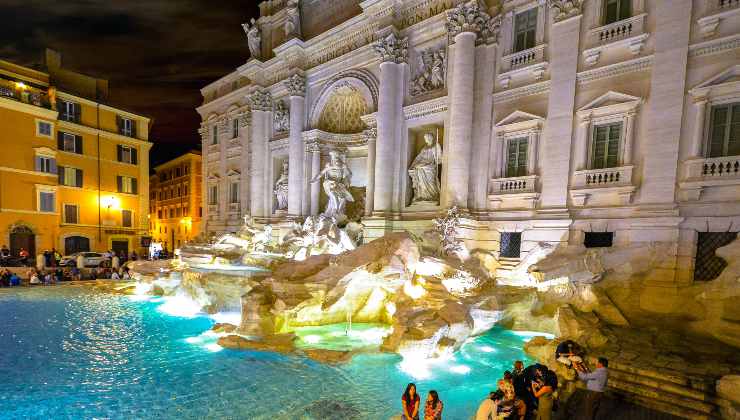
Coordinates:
336 175
432 69
424 169
254 38
292 26
281 188
281 119
447 227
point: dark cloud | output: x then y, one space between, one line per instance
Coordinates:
157 54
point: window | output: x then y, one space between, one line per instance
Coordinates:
185 190
605 147
598 239
525 28
127 218
159 214
177 172
213 195
43 129
172 213
616 10
708 265
511 244
69 142
187 169
126 126
47 201
214 135
70 177
200 211
126 184
45 164
234 193
516 157
724 136
126 154
71 214
69 111
178 212
234 128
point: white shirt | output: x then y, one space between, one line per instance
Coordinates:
487 410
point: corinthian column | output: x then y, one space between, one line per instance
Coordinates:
393 54
372 135
464 23
261 104
296 86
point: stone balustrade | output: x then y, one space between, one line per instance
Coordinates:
721 5
514 192
618 30
513 185
595 178
524 58
713 168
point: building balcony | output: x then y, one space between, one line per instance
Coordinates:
531 61
716 11
26 94
603 185
514 192
628 34
703 173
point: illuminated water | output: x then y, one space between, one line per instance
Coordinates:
68 353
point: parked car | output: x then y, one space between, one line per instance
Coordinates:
92 259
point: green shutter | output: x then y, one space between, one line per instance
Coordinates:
733 140
119 182
605 148
134 156
60 140
516 157
78 178
134 187
60 174
119 153
78 144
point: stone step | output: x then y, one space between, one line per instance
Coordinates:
666 407
629 388
665 375
651 382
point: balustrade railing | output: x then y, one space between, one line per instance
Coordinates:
618 30
513 185
24 93
524 58
595 178
727 4
714 168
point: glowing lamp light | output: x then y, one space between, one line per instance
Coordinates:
109 202
461 369
414 291
21 85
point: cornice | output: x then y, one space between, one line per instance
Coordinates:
107 134
521 92
34 110
426 108
612 70
715 46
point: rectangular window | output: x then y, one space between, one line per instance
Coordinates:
69 111
47 201
177 172
234 193
172 213
724 136
43 129
69 142
525 28
616 10
126 127
214 135
605 146
178 212
511 244
71 214
213 195
516 157
71 177
127 185
45 164
187 169
598 239
127 218
159 214
234 128
126 154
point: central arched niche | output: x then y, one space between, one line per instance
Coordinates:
342 111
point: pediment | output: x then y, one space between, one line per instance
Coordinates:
611 99
45 151
232 172
518 117
726 78
213 177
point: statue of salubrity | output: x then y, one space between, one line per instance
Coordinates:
254 38
336 175
281 188
424 169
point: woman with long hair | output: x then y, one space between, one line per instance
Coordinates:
410 401
433 407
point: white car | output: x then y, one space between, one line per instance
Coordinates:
91 259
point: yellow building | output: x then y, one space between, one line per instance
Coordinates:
175 201
74 171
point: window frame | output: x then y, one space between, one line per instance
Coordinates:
532 20
592 144
213 195
38 129
127 127
46 189
131 218
618 17
65 115
522 161
729 103
65 213
122 186
63 180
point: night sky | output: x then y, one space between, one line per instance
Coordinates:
157 54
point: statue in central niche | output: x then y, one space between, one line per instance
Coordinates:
281 188
336 175
424 169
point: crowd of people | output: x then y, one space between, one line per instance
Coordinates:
523 393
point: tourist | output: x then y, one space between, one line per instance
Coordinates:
15 280
5 278
543 388
134 256
114 275
595 386
57 257
410 402
34 278
506 385
433 407
76 274
126 274
569 354
488 409
4 252
23 254
519 380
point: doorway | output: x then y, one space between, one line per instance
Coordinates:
22 237
74 244
119 246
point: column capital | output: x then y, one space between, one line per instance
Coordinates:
392 49
701 101
260 100
296 85
313 147
371 134
468 17
565 9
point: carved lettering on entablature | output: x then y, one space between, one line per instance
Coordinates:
344 44
423 11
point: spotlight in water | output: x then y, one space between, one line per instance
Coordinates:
312 339
461 369
213 347
180 306
193 340
487 349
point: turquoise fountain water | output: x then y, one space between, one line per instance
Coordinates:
66 352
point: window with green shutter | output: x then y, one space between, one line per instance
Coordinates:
616 10
525 29
516 157
605 146
126 184
724 136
